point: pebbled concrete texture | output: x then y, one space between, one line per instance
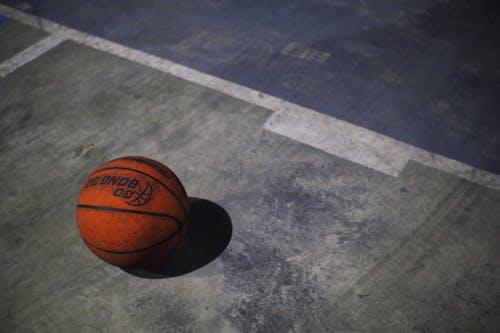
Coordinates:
440 277
319 244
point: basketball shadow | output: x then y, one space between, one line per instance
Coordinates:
209 233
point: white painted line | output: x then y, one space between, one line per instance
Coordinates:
323 132
29 54
366 147
340 138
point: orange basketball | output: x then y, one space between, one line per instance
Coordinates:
132 211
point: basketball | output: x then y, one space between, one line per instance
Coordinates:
132 211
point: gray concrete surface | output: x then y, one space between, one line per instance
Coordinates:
319 244
15 37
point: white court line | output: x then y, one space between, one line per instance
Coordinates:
323 132
29 54
366 147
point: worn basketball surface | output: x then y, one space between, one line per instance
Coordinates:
132 211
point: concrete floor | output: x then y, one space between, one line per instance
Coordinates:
424 72
319 244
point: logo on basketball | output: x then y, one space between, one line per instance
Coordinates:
133 191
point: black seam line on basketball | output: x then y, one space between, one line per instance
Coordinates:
137 250
180 230
131 211
142 161
180 225
145 174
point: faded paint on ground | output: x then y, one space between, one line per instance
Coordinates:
312 233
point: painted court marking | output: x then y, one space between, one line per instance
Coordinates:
29 54
296 50
307 126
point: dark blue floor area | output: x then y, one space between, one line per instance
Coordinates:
423 72
3 18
